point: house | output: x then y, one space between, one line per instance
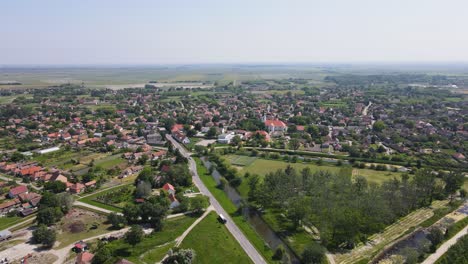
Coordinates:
80 246
7 206
124 261
26 212
275 125
14 192
90 184
169 188
155 139
179 136
225 138
458 156
27 197
77 188
84 258
174 201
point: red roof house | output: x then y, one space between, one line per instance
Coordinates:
14 192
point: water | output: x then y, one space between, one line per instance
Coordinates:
253 217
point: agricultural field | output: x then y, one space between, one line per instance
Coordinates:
111 161
218 244
111 199
79 224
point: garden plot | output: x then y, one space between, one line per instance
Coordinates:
241 160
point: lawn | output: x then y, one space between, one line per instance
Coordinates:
6 222
153 247
218 246
80 224
231 209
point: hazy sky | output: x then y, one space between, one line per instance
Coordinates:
239 31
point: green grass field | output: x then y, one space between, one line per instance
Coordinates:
231 209
153 247
111 161
262 167
6 222
218 246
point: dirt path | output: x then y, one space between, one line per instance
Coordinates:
444 247
187 231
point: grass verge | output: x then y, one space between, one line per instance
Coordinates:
218 244
223 199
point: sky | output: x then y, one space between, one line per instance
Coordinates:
238 31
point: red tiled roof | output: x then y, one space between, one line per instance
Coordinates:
275 123
18 189
168 186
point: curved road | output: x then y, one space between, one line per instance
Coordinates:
231 226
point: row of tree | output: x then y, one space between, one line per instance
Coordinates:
347 210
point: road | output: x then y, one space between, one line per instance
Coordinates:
230 225
444 247
20 182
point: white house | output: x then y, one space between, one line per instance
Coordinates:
276 126
225 138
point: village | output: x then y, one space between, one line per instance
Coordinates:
110 150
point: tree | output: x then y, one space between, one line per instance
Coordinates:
453 182
279 253
131 212
49 215
378 126
297 210
236 140
180 256
143 189
313 254
199 203
55 186
212 132
294 144
102 255
65 201
117 221
143 159
436 236
43 235
134 235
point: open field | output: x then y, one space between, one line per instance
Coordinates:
218 244
243 225
378 241
154 246
262 167
79 224
110 161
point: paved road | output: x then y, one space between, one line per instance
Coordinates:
442 249
231 226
